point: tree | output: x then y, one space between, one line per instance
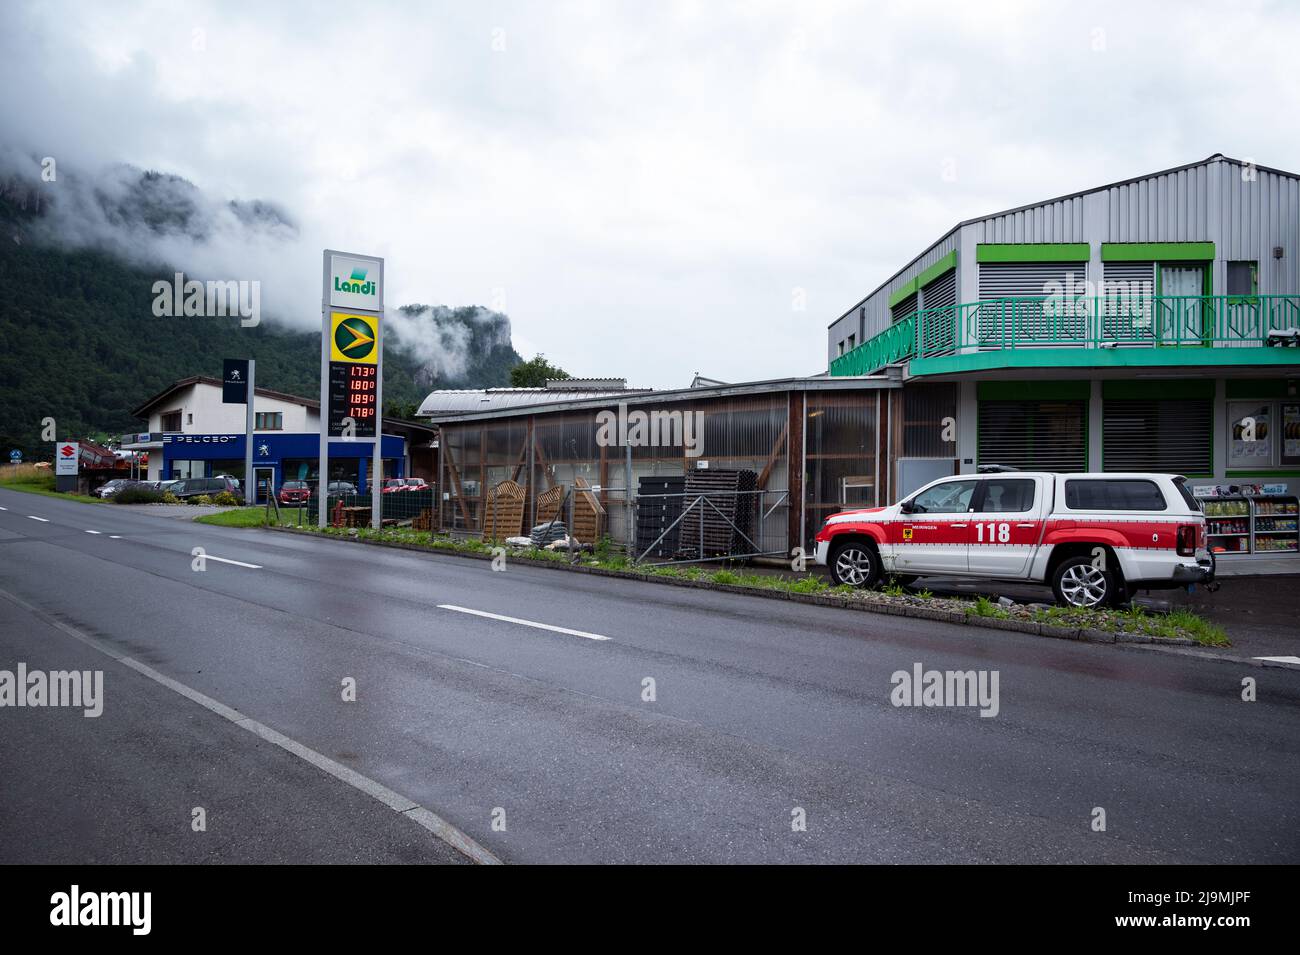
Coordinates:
402 409
534 372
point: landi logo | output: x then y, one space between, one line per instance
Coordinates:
356 283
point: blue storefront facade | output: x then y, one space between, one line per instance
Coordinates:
293 456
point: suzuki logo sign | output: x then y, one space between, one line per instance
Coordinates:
66 457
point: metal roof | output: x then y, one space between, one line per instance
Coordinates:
461 401
589 401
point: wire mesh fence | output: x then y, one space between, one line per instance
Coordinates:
297 503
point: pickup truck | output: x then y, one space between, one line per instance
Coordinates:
1094 538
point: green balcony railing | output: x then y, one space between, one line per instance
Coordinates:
894 344
1101 321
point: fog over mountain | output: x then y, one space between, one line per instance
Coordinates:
160 223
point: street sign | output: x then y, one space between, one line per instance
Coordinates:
15 456
234 381
351 364
67 455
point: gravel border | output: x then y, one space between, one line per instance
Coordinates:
1087 635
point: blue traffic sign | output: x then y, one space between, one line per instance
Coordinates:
15 455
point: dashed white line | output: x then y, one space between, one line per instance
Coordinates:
1295 660
237 563
115 537
33 517
524 623
94 532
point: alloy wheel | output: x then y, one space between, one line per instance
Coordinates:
1083 585
854 566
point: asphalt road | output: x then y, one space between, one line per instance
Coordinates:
538 743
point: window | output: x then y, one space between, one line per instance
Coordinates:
1243 278
268 421
1250 434
951 497
1007 496
170 421
1113 494
841 348
189 418
853 340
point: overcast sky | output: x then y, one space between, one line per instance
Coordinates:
647 189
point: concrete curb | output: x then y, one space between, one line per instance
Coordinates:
817 600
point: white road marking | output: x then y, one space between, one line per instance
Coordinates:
394 800
524 623
237 563
115 537
4 508
1295 660
33 517
94 532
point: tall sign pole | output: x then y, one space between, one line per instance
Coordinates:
352 356
238 387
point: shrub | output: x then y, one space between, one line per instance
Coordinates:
226 499
170 498
138 495
199 499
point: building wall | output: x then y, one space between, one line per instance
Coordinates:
1246 212
201 402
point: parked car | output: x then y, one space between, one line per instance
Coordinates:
112 487
294 492
1094 538
405 484
232 479
166 486
342 487
193 487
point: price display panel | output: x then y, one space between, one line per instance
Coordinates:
353 394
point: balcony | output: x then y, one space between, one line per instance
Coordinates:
1055 331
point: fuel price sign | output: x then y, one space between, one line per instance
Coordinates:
353 394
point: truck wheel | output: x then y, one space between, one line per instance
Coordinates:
854 563
1077 583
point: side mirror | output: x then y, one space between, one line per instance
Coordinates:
906 507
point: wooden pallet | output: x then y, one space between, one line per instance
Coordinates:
503 512
588 513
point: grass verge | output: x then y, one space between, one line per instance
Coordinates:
33 480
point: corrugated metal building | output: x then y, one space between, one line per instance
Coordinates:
816 445
1150 324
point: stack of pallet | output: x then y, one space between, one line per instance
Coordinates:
588 513
423 521
503 513
729 499
658 505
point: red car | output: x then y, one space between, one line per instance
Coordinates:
295 492
404 484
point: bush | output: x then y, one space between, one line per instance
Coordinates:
226 499
170 498
138 495
199 499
